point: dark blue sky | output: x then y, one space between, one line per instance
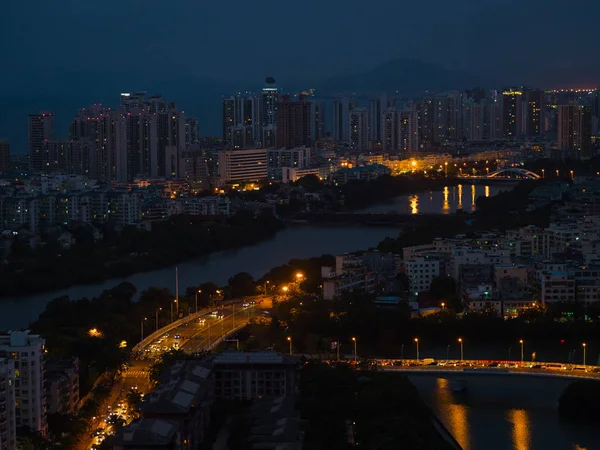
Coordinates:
86 49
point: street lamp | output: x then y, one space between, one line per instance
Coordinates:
299 276
584 359
157 310
522 353
354 340
142 327
290 341
417 342
172 303
198 292
443 305
543 173
460 341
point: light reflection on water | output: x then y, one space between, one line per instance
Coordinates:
479 424
458 420
446 201
520 423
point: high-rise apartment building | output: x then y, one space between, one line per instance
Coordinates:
359 129
493 127
425 122
145 138
4 156
192 133
535 113
293 123
267 115
400 131
241 119
317 120
8 425
27 353
389 134
376 109
41 129
575 129
446 117
512 113
473 119
408 131
102 127
341 108
132 100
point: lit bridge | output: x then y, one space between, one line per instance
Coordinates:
509 174
519 383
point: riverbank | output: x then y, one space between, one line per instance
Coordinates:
368 409
293 242
133 251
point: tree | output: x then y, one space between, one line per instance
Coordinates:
241 285
445 289
310 183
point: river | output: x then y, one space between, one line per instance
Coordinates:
510 424
257 259
446 201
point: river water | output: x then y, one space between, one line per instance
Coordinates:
510 424
292 242
446 201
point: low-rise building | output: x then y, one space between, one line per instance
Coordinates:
183 400
366 173
149 434
421 272
254 375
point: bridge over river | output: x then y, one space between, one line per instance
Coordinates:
542 382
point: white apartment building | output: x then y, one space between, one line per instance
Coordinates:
8 427
27 352
557 287
439 245
204 206
496 257
280 158
291 174
421 272
242 165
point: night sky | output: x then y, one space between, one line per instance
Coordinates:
84 51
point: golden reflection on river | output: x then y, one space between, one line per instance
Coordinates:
521 433
487 191
458 421
473 196
459 206
414 204
446 205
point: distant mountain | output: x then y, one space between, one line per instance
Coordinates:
408 76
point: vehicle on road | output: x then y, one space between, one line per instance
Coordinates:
177 336
555 366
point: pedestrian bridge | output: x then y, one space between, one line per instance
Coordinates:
509 174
